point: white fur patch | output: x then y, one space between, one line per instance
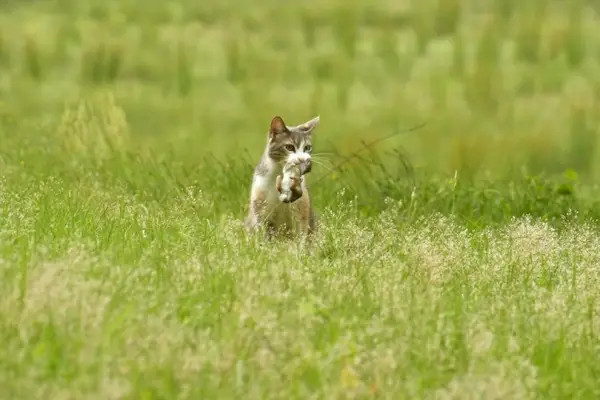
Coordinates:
299 156
265 184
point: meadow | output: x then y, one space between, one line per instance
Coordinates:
455 261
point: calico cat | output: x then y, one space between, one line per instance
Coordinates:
279 198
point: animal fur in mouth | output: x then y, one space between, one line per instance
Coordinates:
290 184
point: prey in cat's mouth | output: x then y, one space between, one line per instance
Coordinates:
289 185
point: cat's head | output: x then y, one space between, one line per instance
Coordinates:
291 143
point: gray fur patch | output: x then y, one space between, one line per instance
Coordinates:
261 169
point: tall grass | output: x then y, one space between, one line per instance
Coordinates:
457 261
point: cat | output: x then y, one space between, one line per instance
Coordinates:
291 216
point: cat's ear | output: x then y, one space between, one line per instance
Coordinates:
277 127
308 126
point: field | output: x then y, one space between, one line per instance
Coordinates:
455 261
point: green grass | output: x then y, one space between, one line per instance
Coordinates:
458 261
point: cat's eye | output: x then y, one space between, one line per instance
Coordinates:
307 148
290 147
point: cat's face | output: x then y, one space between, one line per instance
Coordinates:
291 143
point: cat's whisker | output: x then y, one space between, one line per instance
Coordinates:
321 158
321 163
318 157
324 163
324 154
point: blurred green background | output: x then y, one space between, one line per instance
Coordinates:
504 86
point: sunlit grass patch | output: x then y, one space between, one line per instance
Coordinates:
425 309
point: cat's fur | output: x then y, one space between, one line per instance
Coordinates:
284 144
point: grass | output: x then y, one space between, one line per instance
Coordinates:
458 261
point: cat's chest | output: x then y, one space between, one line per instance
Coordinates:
273 209
265 186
